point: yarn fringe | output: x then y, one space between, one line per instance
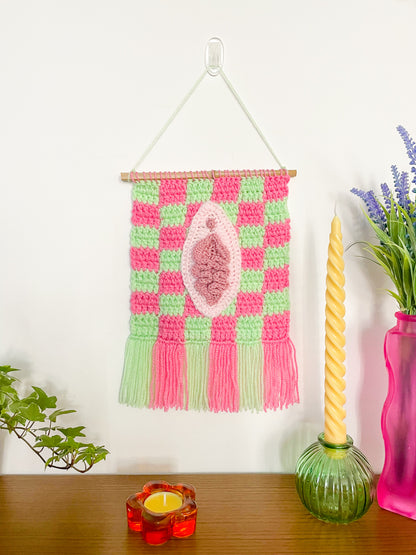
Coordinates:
280 374
168 388
135 383
220 377
223 390
250 376
197 355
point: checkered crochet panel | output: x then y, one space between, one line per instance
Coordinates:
209 326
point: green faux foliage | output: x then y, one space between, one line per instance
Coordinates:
33 419
396 254
393 219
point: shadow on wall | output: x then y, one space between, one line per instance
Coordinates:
374 388
371 342
283 450
375 379
147 466
290 446
313 339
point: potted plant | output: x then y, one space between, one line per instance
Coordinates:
34 420
392 216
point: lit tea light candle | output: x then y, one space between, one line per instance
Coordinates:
335 430
163 502
162 511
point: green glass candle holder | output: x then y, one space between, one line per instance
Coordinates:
335 482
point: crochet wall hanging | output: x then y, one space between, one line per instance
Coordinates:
210 313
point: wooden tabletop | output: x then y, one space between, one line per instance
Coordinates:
237 514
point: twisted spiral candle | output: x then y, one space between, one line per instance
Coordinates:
335 430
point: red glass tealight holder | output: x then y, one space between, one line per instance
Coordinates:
162 511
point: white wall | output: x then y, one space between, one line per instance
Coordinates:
85 85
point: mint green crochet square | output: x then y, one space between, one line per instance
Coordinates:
275 211
251 281
231 209
144 236
251 189
144 280
251 236
172 304
172 215
276 257
198 329
230 310
144 325
198 190
249 329
170 261
276 302
146 191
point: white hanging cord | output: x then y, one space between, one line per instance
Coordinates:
214 58
169 121
250 117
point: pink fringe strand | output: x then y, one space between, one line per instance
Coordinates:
168 388
280 374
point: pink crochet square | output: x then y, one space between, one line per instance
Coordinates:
223 329
250 213
172 191
142 303
190 309
276 279
276 327
145 214
191 210
171 328
276 187
249 303
172 238
226 189
277 234
171 283
142 258
252 258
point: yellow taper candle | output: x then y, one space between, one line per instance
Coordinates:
335 430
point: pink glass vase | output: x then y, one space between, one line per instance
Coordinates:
396 490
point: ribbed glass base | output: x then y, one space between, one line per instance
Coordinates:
335 482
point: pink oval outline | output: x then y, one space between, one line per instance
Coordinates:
198 231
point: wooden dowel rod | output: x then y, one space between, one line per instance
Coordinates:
141 176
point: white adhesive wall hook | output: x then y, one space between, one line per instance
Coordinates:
214 56
214 60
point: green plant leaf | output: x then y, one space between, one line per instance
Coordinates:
407 275
32 413
382 236
7 369
395 296
23 415
43 400
17 406
410 229
52 460
9 391
54 415
393 224
73 432
48 441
